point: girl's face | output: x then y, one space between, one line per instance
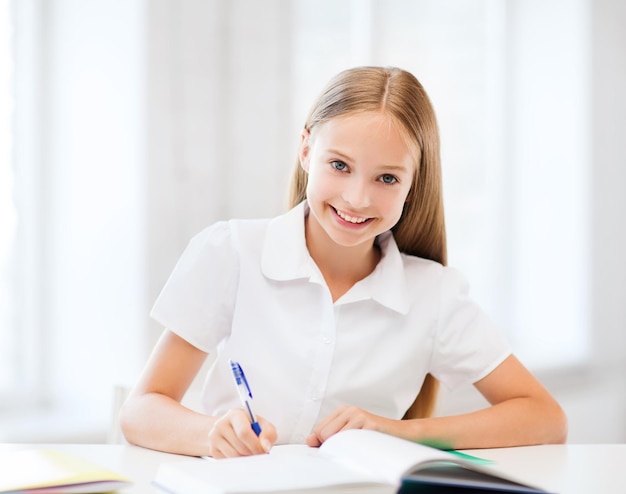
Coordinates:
360 171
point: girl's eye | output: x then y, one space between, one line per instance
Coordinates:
339 165
388 179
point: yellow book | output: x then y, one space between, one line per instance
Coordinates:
46 471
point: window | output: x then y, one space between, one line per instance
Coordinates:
76 315
21 277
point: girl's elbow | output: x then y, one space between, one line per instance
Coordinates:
559 425
562 437
128 424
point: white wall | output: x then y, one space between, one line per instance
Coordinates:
594 395
218 144
608 289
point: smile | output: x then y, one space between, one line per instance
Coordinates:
350 219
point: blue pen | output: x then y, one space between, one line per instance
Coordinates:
245 394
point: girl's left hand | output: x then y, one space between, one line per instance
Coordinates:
347 417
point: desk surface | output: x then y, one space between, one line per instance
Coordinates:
564 469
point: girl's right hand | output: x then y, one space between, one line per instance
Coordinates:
232 435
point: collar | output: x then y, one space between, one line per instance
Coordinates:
285 257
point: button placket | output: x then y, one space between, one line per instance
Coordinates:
319 377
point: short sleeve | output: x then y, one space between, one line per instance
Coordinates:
197 300
467 346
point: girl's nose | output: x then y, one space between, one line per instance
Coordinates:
356 194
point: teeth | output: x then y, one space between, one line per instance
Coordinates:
351 219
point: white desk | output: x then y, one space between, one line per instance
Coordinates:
564 469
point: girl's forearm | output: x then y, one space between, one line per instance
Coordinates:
515 422
155 421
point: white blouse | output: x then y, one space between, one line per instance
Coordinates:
248 290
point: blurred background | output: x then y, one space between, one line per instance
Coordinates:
127 126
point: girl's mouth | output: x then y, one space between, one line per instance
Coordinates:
351 219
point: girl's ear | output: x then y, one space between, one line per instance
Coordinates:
303 150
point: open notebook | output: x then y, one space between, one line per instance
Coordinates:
351 461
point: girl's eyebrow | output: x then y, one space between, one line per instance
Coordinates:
399 168
339 153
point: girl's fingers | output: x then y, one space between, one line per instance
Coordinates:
328 426
268 434
224 449
232 435
343 418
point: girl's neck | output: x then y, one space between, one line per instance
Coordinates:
340 266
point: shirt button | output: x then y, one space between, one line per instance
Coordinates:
326 339
315 396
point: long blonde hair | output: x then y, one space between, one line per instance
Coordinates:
421 228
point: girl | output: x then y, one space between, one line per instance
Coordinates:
341 311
